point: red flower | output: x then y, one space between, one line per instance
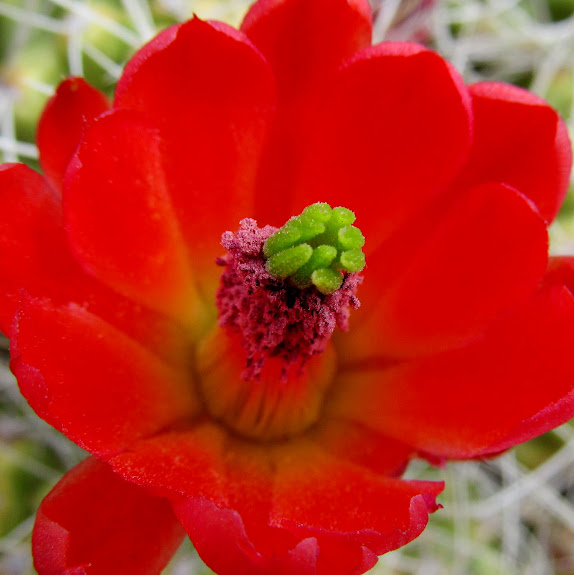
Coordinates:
461 349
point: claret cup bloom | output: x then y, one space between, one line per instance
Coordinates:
187 299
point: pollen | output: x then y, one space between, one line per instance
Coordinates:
280 294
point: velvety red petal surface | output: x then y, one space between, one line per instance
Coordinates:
34 253
261 502
95 523
391 133
119 218
207 523
36 257
63 122
212 116
305 41
521 141
214 529
205 462
560 272
443 280
354 442
315 493
92 382
320 35
337 515
470 402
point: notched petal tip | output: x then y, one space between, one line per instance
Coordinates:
66 115
321 47
212 528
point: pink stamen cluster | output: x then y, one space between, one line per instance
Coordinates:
274 317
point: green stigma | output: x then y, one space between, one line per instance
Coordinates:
315 247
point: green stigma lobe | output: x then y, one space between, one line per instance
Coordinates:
322 257
326 280
350 238
316 247
288 261
352 260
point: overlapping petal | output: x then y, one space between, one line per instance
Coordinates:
213 471
116 183
560 272
354 442
35 255
267 504
327 31
520 141
390 134
442 281
95 522
206 524
212 118
88 379
336 500
476 400
314 551
66 116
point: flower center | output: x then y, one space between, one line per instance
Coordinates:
282 294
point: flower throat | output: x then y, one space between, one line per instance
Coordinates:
284 291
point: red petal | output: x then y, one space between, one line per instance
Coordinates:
95 522
521 141
513 385
210 468
192 462
317 495
356 443
436 287
93 383
35 256
560 272
209 525
305 41
212 529
119 216
34 253
209 92
264 504
391 134
63 122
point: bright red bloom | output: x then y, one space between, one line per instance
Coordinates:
461 349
